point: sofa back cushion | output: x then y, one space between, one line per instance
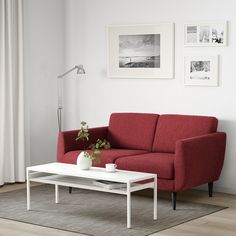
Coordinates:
171 128
132 130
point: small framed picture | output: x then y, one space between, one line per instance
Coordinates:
205 34
141 51
201 70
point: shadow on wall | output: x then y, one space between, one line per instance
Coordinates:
229 127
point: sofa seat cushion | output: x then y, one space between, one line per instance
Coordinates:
107 155
161 164
132 130
171 128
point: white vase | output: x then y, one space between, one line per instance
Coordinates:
83 162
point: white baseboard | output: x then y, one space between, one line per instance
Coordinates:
219 189
224 190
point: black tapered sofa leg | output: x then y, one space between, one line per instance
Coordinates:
210 189
174 196
70 189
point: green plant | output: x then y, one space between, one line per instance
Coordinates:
83 135
97 146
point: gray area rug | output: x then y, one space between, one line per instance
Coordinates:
97 213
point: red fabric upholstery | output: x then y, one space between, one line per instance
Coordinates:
184 151
67 142
132 130
161 164
166 184
171 128
107 155
110 155
199 160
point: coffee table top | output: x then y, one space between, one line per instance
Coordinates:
93 173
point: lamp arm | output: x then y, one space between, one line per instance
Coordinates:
67 72
80 70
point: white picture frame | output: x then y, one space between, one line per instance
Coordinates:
205 34
141 51
201 70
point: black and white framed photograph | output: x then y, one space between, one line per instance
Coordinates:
201 70
141 51
205 34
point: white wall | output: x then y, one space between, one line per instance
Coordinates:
43 61
95 97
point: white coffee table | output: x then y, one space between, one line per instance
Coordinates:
60 174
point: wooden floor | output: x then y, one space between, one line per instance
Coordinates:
222 223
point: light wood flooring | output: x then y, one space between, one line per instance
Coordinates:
222 223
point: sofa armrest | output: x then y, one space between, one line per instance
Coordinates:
199 160
66 140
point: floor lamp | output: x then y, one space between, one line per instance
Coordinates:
80 70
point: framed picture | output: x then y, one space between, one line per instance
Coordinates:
205 34
201 70
141 51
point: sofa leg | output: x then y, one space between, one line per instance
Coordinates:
70 190
174 196
210 189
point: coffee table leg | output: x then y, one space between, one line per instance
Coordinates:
56 194
28 190
128 206
155 198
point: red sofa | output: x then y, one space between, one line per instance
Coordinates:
184 151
